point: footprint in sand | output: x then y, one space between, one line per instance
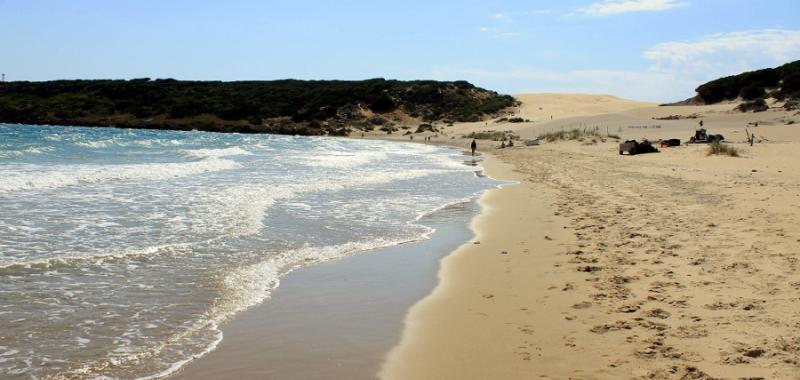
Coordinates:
689 332
582 305
658 313
616 326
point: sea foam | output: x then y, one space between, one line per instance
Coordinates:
138 244
35 177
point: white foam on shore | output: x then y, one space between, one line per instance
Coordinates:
33 177
217 153
253 284
241 289
341 160
11 153
225 208
179 364
94 258
240 210
96 144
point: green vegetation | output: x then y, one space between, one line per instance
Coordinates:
493 135
426 127
282 106
571 134
758 105
720 149
389 129
780 83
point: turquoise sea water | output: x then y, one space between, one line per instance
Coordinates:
122 251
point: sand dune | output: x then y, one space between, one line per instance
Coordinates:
540 107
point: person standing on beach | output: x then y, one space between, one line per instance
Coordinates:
474 146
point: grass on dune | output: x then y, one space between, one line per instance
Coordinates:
571 134
719 149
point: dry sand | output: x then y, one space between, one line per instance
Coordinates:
673 265
540 107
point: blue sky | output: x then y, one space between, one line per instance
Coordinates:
657 50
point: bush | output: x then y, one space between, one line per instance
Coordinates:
720 149
752 92
753 85
426 127
383 104
377 120
493 135
388 129
758 105
791 84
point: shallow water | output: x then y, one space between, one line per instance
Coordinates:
121 251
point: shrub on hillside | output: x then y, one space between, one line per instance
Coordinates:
752 92
389 129
791 105
493 135
750 85
62 101
758 105
426 127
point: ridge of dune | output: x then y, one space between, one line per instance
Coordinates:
541 106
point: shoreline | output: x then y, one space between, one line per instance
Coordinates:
475 325
300 328
569 281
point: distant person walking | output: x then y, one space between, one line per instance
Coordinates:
474 146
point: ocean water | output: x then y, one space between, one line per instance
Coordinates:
122 251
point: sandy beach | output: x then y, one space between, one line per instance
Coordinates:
659 266
374 190
593 265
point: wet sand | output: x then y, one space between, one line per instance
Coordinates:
337 319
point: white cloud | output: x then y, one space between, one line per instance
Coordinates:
769 44
676 68
614 7
722 54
